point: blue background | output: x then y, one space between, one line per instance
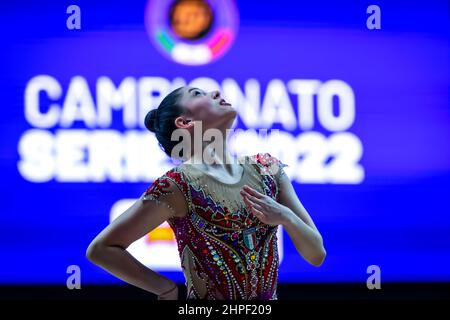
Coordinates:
398 218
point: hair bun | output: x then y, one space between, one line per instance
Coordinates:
151 120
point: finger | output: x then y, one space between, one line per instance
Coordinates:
253 192
253 204
259 214
253 198
250 202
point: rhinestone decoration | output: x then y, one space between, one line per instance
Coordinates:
234 252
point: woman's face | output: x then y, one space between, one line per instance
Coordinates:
208 107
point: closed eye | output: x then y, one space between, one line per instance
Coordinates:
197 92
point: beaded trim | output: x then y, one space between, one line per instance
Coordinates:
232 251
160 203
270 168
159 188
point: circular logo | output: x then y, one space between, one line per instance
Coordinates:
192 32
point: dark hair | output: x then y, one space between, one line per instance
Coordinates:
161 120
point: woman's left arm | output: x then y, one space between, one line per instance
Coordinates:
292 215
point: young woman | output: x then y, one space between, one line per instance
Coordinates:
224 213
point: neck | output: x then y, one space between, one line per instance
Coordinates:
209 153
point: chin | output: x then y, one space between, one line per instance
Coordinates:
232 118
231 113
231 110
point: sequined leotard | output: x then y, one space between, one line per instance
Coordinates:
225 251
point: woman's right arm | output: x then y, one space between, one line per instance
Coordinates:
108 249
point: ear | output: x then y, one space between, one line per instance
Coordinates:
184 123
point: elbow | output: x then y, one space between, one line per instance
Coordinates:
318 259
320 253
93 252
98 251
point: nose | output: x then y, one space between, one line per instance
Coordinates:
215 94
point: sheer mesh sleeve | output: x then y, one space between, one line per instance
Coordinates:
169 190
